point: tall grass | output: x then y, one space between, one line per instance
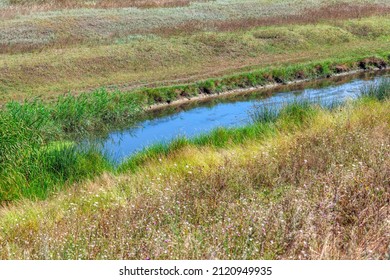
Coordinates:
379 91
263 113
81 114
34 158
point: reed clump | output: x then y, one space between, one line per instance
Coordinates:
380 91
37 152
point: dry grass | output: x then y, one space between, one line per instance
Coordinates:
18 10
316 191
333 11
23 7
155 60
34 36
26 8
70 4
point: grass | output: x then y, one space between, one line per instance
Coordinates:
132 48
315 188
266 122
30 166
133 63
380 91
258 78
47 5
306 182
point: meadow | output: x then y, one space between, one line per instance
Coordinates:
129 48
308 182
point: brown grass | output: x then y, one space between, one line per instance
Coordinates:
73 4
22 7
338 11
330 12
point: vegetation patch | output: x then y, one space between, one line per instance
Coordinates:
32 165
280 75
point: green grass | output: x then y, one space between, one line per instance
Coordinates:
32 165
266 76
81 114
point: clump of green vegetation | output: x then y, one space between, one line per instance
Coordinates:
263 114
77 114
380 91
32 165
297 113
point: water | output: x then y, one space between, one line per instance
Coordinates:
226 113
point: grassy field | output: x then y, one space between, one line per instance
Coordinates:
128 48
310 183
307 183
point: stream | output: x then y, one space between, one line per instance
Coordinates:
204 116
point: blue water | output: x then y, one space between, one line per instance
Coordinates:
122 144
